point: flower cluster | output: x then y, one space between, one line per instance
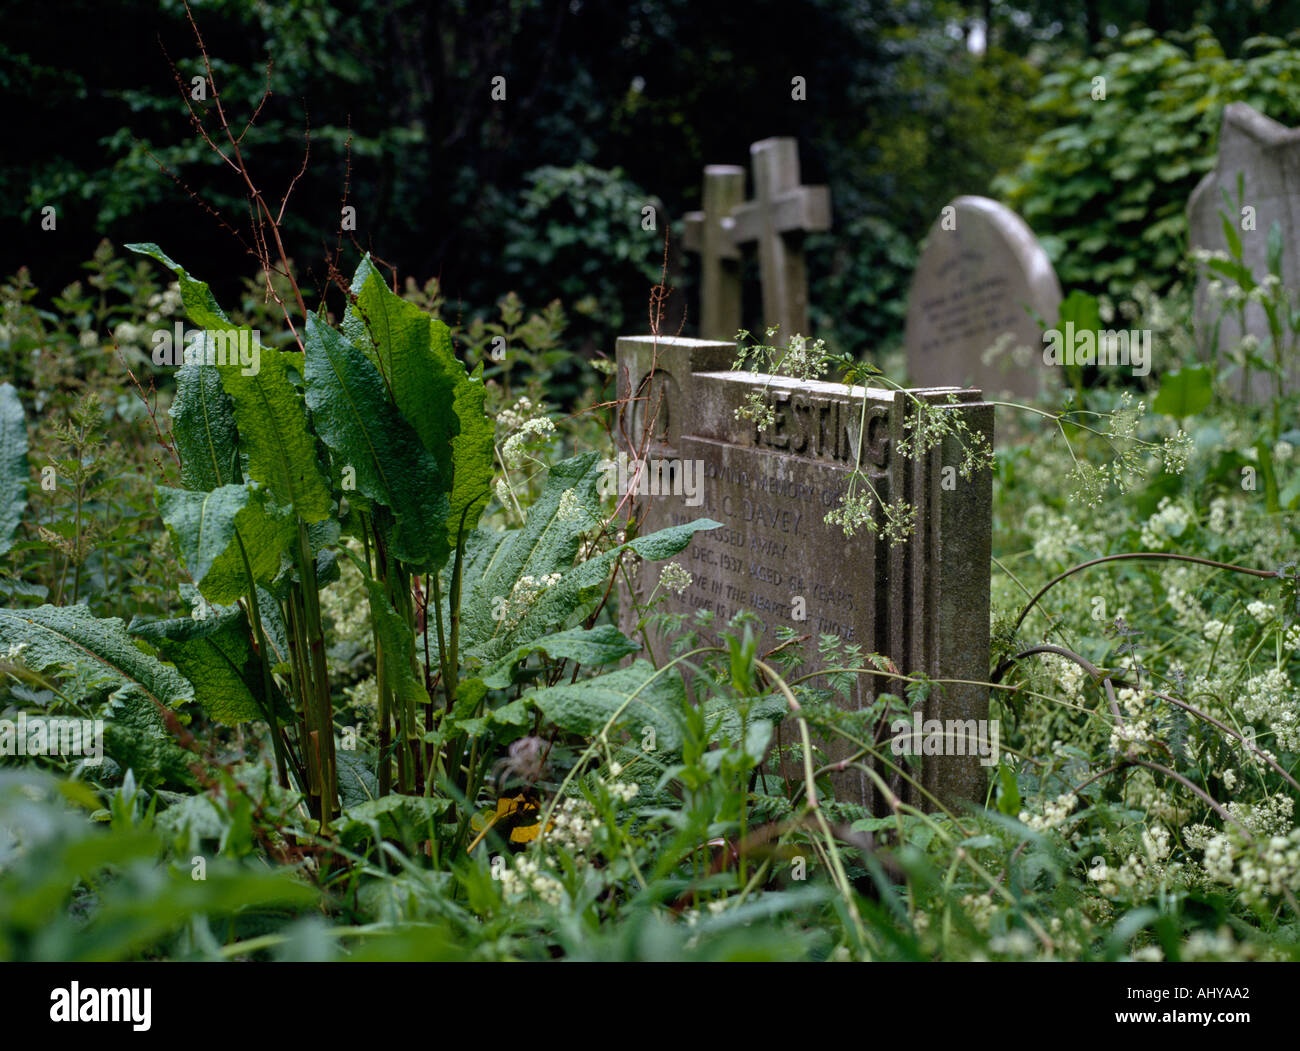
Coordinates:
1270 698
573 826
675 577
525 592
1168 523
530 433
527 876
1054 813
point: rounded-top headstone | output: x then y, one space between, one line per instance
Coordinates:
1266 155
980 285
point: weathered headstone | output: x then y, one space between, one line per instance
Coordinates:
1267 155
923 603
980 269
776 220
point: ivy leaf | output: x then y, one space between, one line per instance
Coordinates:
211 527
57 635
363 429
14 474
203 427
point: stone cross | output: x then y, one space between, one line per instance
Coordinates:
923 603
780 214
1267 155
709 233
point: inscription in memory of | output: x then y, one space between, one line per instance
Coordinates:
923 603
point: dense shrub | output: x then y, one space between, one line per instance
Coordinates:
1106 188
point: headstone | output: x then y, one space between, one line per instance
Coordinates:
1267 154
776 220
967 321
923 603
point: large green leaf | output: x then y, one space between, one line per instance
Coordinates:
217 658
430 387
587 581
1184 392
203 426
603 644
55 635
586 707
364 430
547 544
209 529
278 449
13 464
542 546
397 642
472 451
137 739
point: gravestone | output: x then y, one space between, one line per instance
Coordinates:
923 603
776 220
1267 155
966 311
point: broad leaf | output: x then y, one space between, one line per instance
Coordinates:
397 642
627 696
542 546
431 388
215 655
56 635
137 739
203 426
603 644
13 464
214 531
278 449
364 430
1184 392
497 615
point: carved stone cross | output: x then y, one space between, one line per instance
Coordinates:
781 213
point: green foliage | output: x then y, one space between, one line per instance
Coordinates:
13 464
1106 188
52 636
1184 392
224 535
582 227
72 889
